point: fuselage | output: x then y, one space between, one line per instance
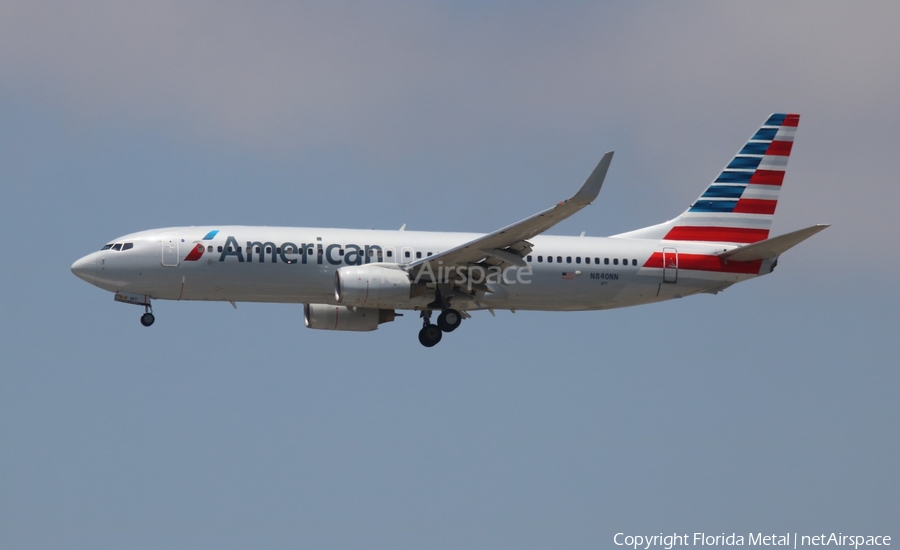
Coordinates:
354 280
297 265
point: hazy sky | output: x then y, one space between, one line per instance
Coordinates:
771 407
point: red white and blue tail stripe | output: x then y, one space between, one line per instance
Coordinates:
739 205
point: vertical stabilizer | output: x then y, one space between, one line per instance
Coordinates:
739 205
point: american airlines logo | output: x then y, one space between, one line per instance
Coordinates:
350 254
197 252
288 252
291 253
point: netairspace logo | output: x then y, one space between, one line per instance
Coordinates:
788 540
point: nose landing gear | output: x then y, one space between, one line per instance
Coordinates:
147 318
138 300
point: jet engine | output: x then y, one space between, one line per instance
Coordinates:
373 286
326 317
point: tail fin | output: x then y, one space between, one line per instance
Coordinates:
739 205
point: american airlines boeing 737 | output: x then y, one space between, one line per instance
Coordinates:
354 280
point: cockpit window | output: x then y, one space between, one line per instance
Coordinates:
127 246
117 246
107 247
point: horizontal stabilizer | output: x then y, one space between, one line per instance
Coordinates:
771 248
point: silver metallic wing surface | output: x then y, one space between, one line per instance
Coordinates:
510 242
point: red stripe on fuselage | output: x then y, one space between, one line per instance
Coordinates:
716 234
755 206
704 262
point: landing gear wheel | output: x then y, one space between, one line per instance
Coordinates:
430 335
449 319
147 319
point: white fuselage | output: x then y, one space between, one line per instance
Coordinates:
297 265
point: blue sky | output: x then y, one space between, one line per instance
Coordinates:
770 407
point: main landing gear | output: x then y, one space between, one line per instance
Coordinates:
447 321
430 335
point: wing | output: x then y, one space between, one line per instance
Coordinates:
510 244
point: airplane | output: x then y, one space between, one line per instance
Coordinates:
355 280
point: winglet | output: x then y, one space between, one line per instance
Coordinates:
771 248
591 187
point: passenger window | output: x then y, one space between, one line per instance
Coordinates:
605 261
577 259
540 259
549 259
117 246
229 248
220 248
597 261
209 248
257 250
390 253
127 246
529 258
568 259
340 251
418 254
615 261
634 262
278 250
559 259
406 253
429 254
107 247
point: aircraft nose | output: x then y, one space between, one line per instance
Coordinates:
85 269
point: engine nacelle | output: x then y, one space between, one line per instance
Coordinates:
326 317
372 286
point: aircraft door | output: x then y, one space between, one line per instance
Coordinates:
169 242
670 265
